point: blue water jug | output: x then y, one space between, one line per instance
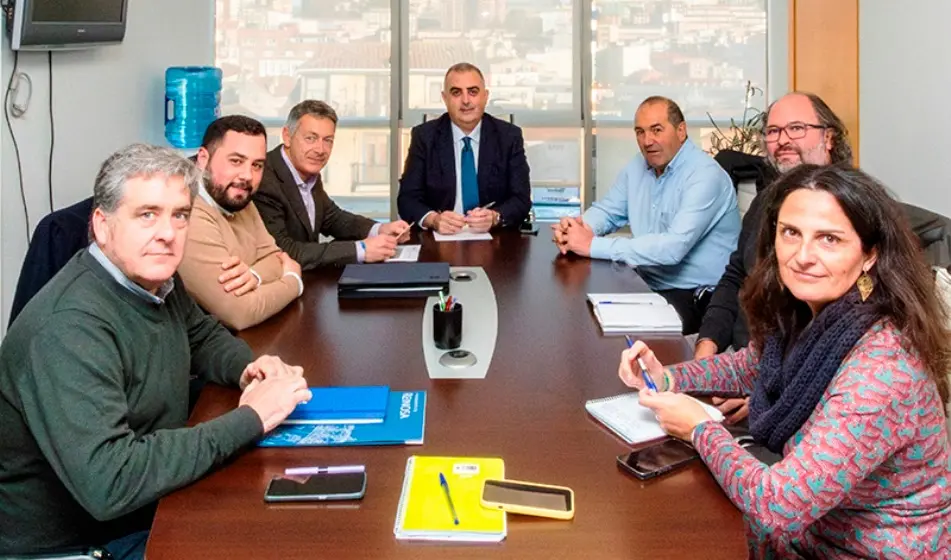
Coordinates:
192 102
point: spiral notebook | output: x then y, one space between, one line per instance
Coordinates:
424 511
624 415
627 313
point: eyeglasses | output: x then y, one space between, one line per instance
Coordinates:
794 131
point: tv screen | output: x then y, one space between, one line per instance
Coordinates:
67 24
86 11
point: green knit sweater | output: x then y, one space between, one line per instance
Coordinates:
93 404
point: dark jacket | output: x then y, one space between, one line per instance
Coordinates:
724 321
429 174
279 202
58 237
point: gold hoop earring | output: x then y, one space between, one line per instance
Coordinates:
865 285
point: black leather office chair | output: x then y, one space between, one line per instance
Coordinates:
740 166
934 232
57 237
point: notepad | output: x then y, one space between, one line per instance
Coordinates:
405 253
342 405
625 313
423 512
624 415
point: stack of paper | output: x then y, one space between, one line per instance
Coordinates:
428 511
465 235
625 313
405 253
631 421
403 423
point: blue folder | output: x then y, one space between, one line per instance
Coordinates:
404 425
342 405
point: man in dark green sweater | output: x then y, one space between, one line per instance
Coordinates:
94 374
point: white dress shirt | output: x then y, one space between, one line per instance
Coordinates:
457 145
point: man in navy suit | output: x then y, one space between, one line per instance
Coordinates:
465 168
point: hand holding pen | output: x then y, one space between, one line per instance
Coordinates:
639 368
481 219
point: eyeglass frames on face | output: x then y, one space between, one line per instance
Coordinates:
794 131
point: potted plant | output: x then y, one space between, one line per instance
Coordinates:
743 136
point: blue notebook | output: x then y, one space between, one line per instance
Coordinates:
404 425
342 405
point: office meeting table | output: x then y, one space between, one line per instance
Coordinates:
550 357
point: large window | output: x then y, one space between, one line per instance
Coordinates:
569 72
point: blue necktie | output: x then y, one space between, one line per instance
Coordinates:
470 184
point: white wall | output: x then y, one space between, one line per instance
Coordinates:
904 115
103 99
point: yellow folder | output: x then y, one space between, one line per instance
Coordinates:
424 511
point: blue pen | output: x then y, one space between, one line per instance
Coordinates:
445 490
647 377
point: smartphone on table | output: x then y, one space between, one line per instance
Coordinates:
657 459
529 498
320 486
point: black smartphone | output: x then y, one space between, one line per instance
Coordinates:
657 459
528 228
323 486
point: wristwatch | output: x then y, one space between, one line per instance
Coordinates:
496 219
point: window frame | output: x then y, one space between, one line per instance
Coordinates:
401 118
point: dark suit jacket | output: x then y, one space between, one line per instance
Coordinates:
429 175
57 237
279 202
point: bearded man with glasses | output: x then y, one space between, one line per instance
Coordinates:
800 128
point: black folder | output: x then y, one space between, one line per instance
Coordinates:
393 280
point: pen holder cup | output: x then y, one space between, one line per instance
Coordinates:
447 327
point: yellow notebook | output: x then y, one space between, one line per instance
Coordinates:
424 512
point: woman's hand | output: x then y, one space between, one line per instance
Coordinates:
677 413
630 371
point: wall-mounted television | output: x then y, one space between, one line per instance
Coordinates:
66 24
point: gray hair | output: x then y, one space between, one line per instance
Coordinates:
140 160
313 107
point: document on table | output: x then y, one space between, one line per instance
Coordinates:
464 235
405 253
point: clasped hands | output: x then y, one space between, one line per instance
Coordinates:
677 413
574 235
479 220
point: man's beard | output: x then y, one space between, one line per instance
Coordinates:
220 195
815 155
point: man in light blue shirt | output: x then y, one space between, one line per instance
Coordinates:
680 205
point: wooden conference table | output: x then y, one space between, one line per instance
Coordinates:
550 358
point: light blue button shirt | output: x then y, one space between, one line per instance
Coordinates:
157 298
684 224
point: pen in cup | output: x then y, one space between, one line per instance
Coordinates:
445 488
647 378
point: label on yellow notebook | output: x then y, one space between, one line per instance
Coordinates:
424 511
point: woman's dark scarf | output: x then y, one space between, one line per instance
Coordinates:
790 384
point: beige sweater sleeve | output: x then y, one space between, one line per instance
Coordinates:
205 250
266 263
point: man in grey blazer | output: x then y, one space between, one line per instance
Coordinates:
296 209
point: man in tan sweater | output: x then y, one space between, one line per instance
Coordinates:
232 266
